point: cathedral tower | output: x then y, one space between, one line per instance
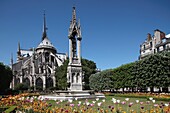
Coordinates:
74 69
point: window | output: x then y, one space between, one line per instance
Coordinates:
167 47
47 57
72 80
77 78
154 51
164 47
150 44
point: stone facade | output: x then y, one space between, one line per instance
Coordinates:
156 43
36 67
74 69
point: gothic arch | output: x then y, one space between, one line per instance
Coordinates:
47 55
17 81
27 81
49 82
77 78
73 78
39 84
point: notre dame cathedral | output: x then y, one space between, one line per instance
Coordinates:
36 67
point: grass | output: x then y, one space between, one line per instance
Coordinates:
142 95
10 109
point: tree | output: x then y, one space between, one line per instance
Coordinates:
93 82
61 76
5 77
153 71
122 76
138 75
101 81
89 68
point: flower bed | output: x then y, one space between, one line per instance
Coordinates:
111 104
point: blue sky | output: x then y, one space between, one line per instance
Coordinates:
112 30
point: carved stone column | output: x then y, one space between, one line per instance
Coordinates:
21 79
44 82
34 80
79 50
70 53
54 81
30 78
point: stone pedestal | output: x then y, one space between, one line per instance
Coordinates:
74 77
66 95
76 87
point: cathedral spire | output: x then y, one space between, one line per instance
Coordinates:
18 52
74 15
79 30
44 28
19 49
12 60
73 24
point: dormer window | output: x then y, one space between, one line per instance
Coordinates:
46 42
144 47
150 44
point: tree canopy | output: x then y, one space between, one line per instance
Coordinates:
5 77
153 71
61 76
101 81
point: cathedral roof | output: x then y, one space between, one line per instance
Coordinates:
46 44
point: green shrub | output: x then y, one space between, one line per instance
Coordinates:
21 87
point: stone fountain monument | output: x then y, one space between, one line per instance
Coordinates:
74 69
